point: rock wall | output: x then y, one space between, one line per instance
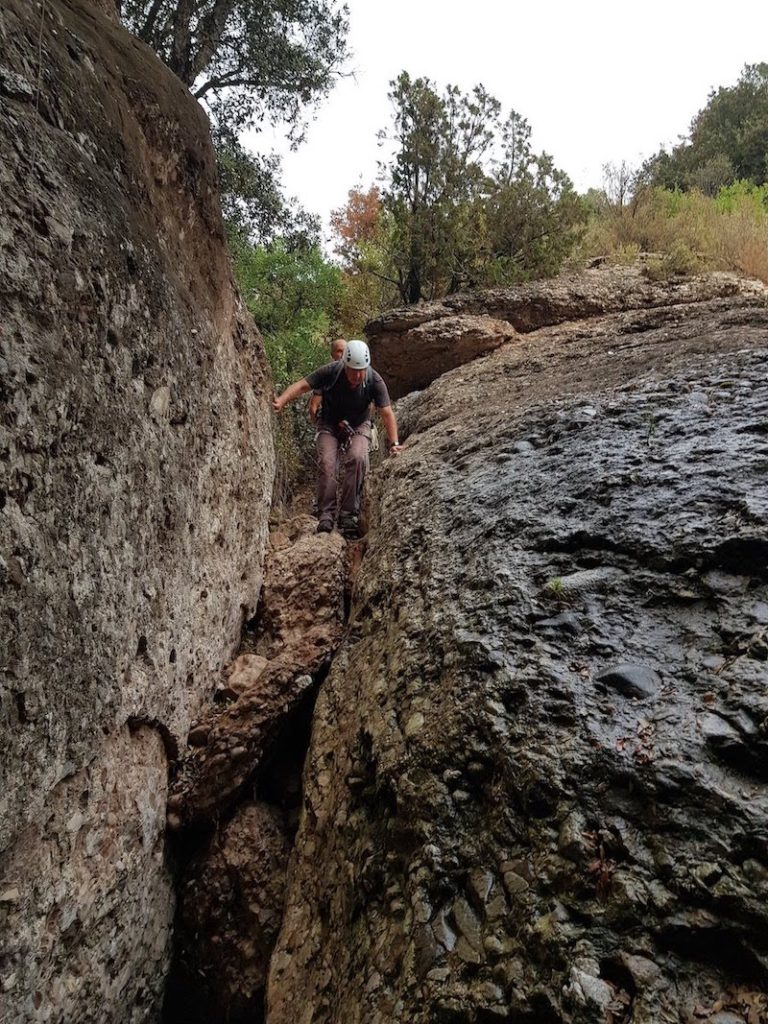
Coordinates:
135 481
235 802
538 781
414 345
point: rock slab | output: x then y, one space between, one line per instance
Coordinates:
488 834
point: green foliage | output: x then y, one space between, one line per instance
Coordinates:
292 293
686 231
727 140
468 202
253 203
248 61
534 219
743 195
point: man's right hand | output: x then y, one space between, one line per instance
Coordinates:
277 403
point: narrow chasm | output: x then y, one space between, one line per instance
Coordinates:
235 801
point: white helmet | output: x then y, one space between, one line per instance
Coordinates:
356 355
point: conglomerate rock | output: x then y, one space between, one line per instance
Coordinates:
231 889
413 346
537 789
301 616
230 909
136 468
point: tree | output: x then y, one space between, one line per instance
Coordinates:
253 203
249 60
534 221
363 243
727 140
469 201
434 173
357 224
618 182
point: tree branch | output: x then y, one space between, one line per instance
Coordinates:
147 29
210 32
221 82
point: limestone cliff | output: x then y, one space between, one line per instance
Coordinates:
537 788
136 465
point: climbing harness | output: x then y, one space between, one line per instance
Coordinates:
345 432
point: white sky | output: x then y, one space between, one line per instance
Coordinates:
597 80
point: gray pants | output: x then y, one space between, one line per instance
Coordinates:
354 462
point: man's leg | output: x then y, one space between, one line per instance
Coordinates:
355 468
327 447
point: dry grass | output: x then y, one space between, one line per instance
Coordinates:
690 231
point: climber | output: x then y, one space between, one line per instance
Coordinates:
337 352
344 427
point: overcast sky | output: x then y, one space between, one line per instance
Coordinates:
597 80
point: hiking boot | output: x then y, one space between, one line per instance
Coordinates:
325 525
349 526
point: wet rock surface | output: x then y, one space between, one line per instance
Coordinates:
135 479
536 790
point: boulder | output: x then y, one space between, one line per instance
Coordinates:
411 360
229 914
231 890
300 622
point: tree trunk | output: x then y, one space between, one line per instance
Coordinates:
413 286
181 57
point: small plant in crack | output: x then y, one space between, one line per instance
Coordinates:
652 422
555 590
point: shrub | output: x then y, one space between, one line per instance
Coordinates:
292 294
678 262
687 231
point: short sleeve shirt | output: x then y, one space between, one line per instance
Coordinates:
343 402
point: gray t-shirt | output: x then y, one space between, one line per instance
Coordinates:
343 402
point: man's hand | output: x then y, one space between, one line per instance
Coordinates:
394 448
279 402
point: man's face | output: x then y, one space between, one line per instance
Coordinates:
354 377
337 349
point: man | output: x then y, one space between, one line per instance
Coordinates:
337 353
344 426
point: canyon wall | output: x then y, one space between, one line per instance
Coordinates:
136 466
537 786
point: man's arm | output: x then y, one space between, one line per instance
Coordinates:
387 414
301 387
